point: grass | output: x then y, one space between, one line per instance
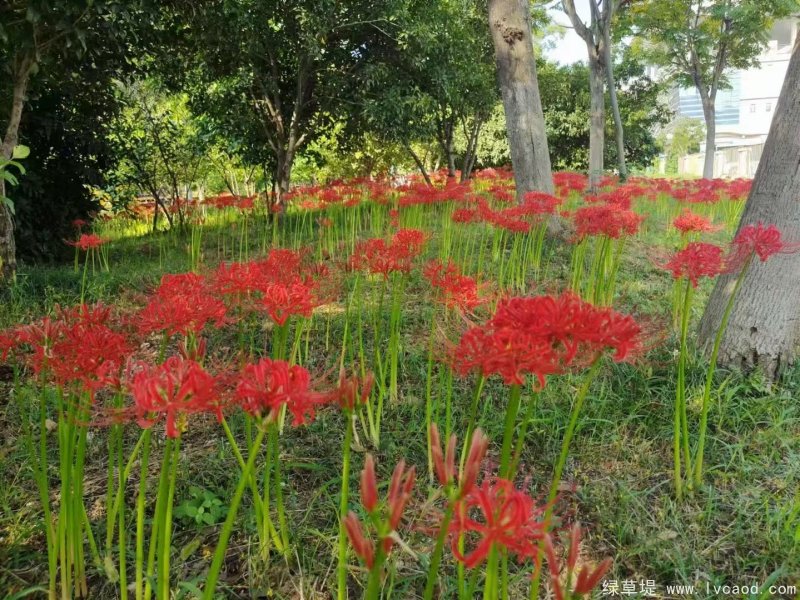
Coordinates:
743 529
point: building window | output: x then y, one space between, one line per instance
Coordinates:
769 106
752 108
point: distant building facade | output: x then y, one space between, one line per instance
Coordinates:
744 111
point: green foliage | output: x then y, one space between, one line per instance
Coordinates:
696 42
202 508
565 100
684 136
7 168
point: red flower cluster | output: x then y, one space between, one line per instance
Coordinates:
266 386
605 219
89 241
456 290
183 304
281 285
697 260
689 222
544 335
377 256
758 239
77 347
504 517
173 391
87 351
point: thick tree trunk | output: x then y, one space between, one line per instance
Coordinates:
510 25
21 68
597 119
710 115
612 95
764 326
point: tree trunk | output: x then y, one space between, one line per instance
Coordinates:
419 163
612 95
710 115
764 326
510 25
21 68
597 119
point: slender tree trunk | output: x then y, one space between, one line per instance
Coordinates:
764 326
21 68
472 149
709 114
419 163
510 25
612 95
597 119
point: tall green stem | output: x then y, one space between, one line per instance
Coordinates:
227 527
698 465
341 571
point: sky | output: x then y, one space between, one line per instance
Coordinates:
570 48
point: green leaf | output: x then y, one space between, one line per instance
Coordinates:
20 151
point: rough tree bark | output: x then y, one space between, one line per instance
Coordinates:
710 117
597 117
510 25
21 68
764 327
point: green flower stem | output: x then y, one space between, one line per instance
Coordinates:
523 432
698 465
167 523
227 527
373 591
341 570
508 431
140 515
580 397
436 557
158 519
680 426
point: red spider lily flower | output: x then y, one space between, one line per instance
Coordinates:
87 351
79 224
378 257
456 290
605 219
182 304
588 577
465 215
697 260
283 300
400 488
689 222
394 217
408 243
445 463
757 239
173 391
506 518
544 335
539 203
369 485
89 241
363 547
266 386
352 390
